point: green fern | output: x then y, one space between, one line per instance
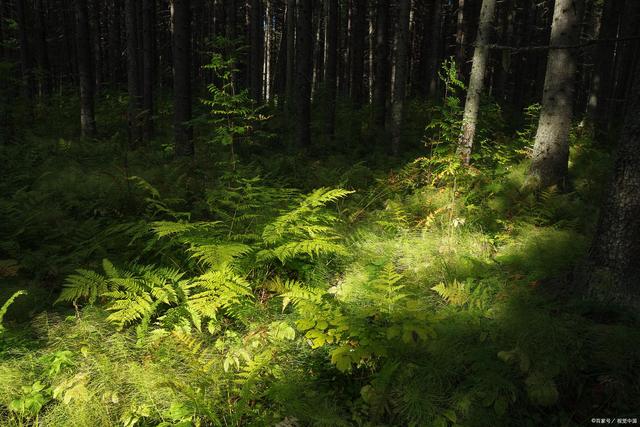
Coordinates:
5 307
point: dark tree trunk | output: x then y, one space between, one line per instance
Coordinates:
44 65
613 267
26 56
476 81
331 65
381 82
291 53
181 14
602 82
304 69
85 70
256 48
551 149
149 65
115 42
628 52
133 74
435 49
358 20
400 77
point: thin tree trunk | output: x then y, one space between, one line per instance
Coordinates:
181 18
115 45
255 50
476 82
26 57
149 65
602 82
303 72
381 88
133 77
358 19
436 49
400 76
613 267
331 65
291 53
85 71
44 65
551 148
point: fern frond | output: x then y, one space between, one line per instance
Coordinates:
84 284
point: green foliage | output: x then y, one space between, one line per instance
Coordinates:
5 307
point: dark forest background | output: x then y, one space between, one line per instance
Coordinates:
339 212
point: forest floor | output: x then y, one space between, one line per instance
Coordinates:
276 288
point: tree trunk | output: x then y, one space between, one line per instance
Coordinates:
476 82
26 56
331 65
255 50
44 64
400 76
551 149
358 20
181 18
291 54
149 65
602 82
115 45
381 88
613 267
304 64
85 71
435 50
133 77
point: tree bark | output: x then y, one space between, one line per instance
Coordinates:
435 50
44 65
551 149
602 82
476 81
613 267
26 56
358 20
149 65
381 82
181 18
133 76
304 64
331 65
400 76
256 37
85 71
291 54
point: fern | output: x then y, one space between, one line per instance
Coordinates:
5 307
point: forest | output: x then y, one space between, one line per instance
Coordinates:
319 213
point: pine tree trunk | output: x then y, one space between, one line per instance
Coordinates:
115 45
181 16
44 64
356 50
255 50
291 54
381 82
304 69
435 49
400 75
133 76
331 65
149 65
551 148
602 82
476 82
85 71
613 267
26 56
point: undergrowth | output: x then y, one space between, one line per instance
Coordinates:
229 292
